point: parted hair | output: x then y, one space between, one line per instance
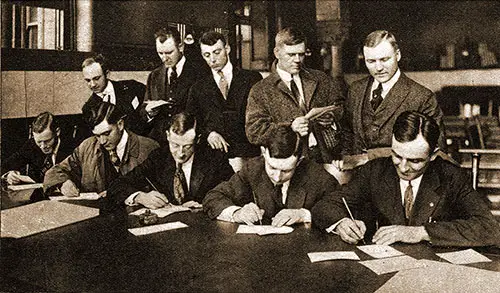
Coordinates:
284 143
289 36
104 112
211 37
43 121
98 58
378 36
165 33
181 123
410 124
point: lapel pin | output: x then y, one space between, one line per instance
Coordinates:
431 204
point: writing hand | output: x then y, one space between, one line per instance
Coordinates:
192 204
351 231
152 199
217 142
408 234
13 177
300 125
288 217
248 214
68 188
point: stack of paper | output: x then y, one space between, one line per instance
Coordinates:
263 229
162 212
42 216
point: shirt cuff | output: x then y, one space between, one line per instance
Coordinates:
130 201
227 214
331 229
307 215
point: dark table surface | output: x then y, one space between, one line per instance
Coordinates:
100 255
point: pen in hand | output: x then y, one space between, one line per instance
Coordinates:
255 201
154 187
352 218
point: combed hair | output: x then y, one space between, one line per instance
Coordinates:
377 37
412 123
103 112
99 58
212 37
181 123
284 143
43 121
166 33
289 36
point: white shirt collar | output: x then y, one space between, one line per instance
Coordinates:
178 67
285 76
387 86
120 148
108 94
228 73
187 167
415 184
284 191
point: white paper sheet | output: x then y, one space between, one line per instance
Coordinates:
332 255
263 229
463 257
25 186
156 228
82 196
392 264
380 251
162 212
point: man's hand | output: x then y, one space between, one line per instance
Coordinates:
217 142
192 205
13 177
408 234
152 111
326 119
152 199
103 194
351 231
288 217
339 164
68 188
300 125
248 214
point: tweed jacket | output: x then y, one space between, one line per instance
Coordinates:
406 95
271 102
309 183
226 117
86 166
452 213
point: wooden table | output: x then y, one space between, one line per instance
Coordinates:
100 255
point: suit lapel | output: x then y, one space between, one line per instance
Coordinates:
198 171
296 195
358 106
276 79
264 193
427 199
390 202
394 99
308 86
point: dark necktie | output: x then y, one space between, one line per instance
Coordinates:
408 200
376 97
223 85
180 184
296 95
173 76
113 156
47 163
278 196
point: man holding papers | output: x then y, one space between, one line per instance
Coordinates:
180 173
414 195
279 188
288 94
98 160
38 154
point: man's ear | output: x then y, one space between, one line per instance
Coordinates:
276 52
120 124
181 47
263 151
228 49
58 131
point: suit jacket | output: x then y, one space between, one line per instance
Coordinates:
309 183
155 90
446 205
30 154
129 96
89 165
406 95
226 117
271 103
209 169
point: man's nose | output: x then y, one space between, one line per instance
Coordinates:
378 66
102 140
403 166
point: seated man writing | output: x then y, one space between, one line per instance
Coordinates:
278 187
415 195
39 153
182 173
98 160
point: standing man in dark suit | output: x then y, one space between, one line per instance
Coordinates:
219 101
289 93
101 158
170 83
415 195
280 186
376 101
40 153
180 173
126 94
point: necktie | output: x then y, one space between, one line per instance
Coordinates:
180 184
47 163
376 97
296 95
408 200
278 196
223 85
173 76
113 156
